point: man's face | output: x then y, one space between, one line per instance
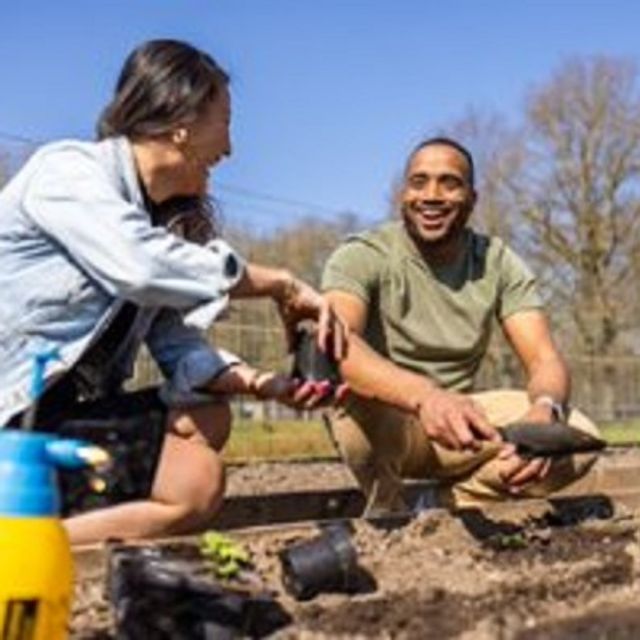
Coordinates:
437 197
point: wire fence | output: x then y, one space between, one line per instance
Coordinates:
606 388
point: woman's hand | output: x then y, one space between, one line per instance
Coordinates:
299 301
296 301
267 385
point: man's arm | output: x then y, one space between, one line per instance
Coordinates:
548 382
548 379
449 418
367 372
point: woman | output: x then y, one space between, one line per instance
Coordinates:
106 245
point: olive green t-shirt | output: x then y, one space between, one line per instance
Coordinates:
434 320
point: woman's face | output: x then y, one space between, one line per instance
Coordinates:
206 141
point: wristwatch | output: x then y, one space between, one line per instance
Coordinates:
558 409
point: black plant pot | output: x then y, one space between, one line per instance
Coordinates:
327 563
310 364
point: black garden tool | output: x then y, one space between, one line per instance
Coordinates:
556 439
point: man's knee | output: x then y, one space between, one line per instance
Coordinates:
503 406
369 437
487 483
351 440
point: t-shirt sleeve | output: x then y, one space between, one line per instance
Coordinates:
353 268
518 286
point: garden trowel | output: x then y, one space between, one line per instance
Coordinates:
549 440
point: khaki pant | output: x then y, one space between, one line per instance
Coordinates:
382 445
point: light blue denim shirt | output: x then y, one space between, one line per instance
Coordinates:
75 242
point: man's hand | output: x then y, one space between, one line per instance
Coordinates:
517 472
455 421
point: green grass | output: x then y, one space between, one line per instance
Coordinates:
623 432
282 439
299 439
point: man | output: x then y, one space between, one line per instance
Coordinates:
423 294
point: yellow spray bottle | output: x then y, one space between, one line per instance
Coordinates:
36 570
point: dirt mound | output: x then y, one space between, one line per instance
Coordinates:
443 577
565 573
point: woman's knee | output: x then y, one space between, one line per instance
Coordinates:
191 477
208 424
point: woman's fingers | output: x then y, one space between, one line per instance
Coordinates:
310 394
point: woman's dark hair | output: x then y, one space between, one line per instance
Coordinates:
193 218
163 83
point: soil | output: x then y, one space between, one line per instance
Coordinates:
441 575
279 477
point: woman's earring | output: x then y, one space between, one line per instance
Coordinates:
180 136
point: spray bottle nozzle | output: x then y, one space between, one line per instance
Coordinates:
40 362
75 454
27 462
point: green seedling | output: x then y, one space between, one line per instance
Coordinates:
226 556
511 541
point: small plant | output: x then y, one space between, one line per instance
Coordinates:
226 556
511 541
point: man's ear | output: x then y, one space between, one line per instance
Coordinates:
473 200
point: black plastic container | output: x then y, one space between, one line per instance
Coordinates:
169 594
310 363
326 563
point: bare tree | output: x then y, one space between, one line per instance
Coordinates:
498 151
579 194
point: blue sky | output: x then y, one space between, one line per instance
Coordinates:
329 95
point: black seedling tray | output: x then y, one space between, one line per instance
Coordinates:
169 593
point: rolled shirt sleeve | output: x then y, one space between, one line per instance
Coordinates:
204 315
185 357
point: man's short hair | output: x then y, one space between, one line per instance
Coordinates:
443 141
